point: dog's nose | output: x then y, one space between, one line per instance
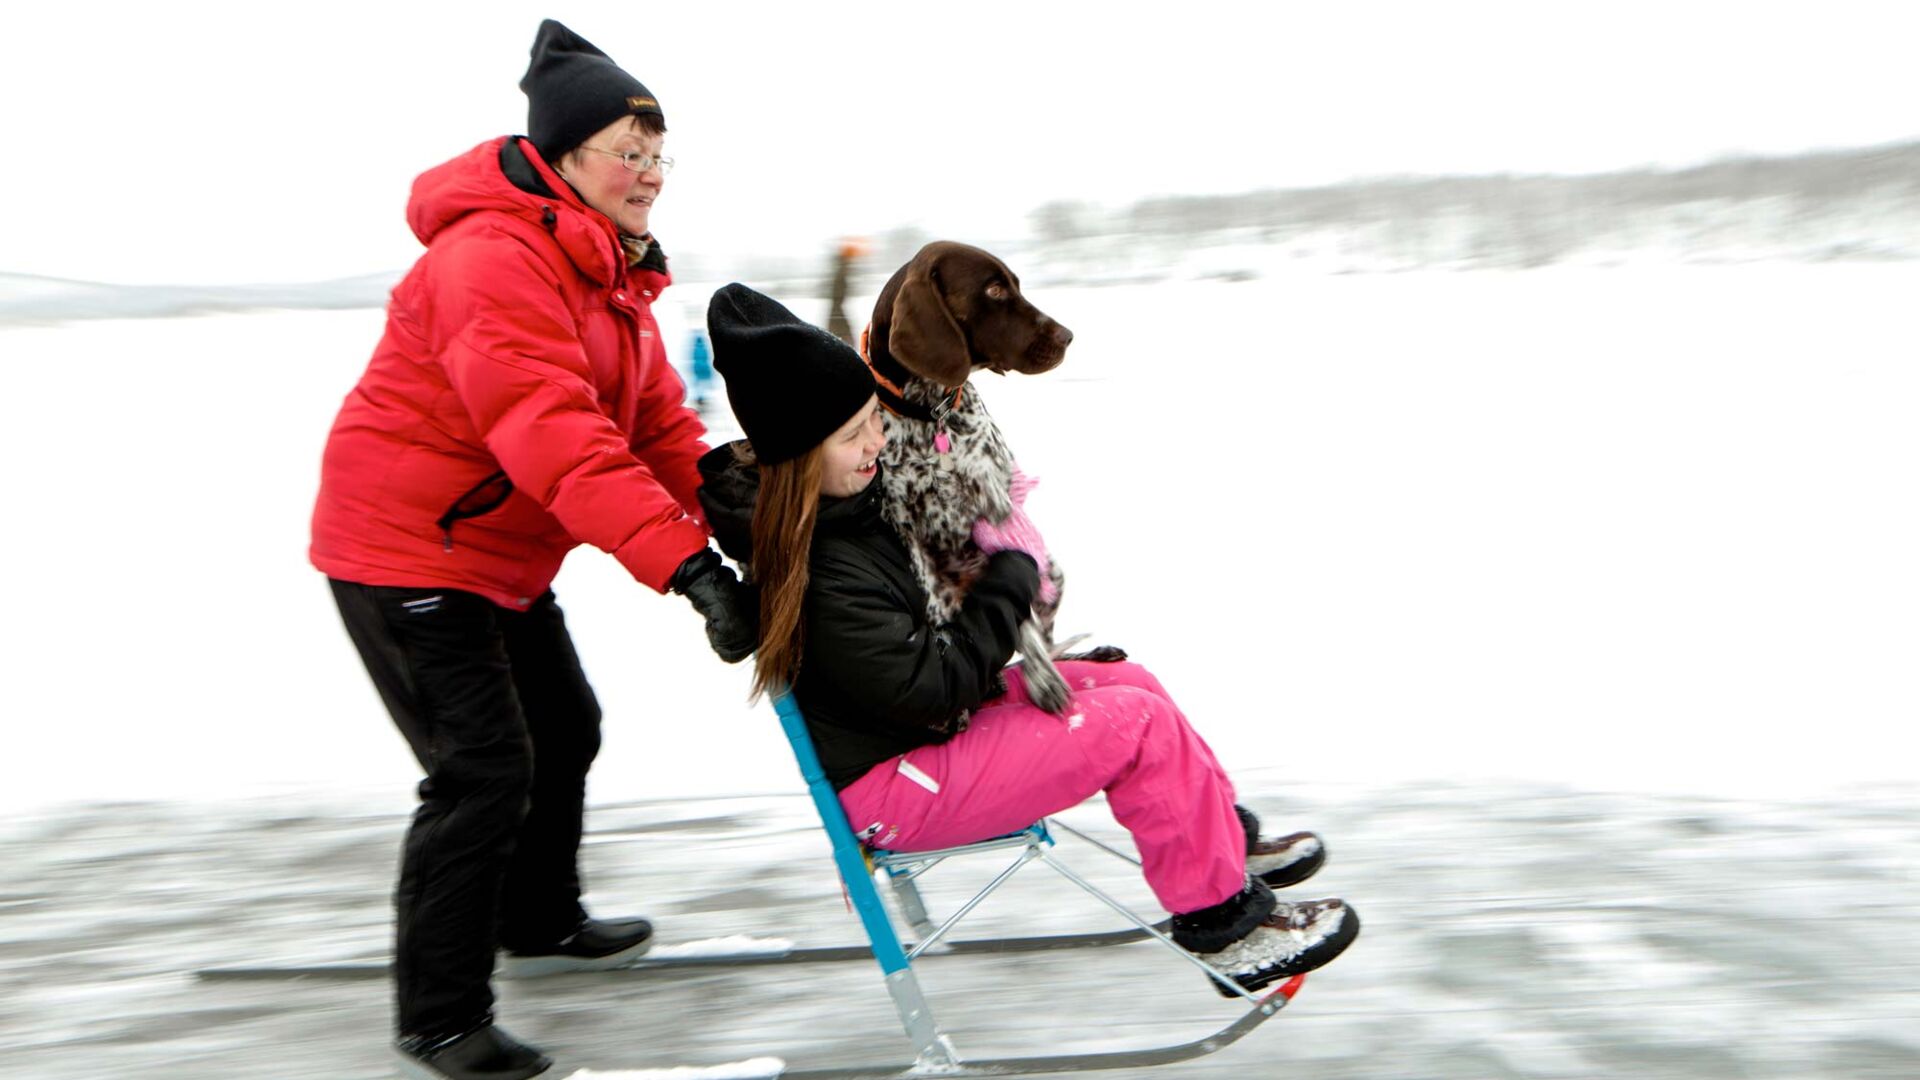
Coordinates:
1062 336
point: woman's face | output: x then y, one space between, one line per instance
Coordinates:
853 453
597 173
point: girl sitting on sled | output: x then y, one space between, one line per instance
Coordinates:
928 737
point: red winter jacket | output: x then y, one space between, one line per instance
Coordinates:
519 404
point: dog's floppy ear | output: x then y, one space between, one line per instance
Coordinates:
924 336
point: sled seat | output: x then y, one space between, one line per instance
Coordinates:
903 867
859 866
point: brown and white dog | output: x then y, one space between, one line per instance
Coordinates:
950 311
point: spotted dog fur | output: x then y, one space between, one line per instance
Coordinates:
933 499
948 312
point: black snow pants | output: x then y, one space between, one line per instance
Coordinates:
500 715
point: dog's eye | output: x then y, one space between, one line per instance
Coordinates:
996 291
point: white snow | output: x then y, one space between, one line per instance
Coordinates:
1644 529
732 945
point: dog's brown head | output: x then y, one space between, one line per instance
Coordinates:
954 308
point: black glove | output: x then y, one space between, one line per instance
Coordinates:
733 618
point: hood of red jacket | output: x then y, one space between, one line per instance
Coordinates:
475 182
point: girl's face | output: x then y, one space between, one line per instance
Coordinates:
853 453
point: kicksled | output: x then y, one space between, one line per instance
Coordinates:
860 869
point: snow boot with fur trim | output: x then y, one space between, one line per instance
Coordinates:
1294 939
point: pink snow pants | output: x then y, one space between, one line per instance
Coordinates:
1015 764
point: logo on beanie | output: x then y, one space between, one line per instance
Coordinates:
642 103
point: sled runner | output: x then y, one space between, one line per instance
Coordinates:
718 953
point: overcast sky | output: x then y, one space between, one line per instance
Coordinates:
192 142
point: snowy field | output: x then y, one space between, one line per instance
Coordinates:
1624 530
1574 606
1510 932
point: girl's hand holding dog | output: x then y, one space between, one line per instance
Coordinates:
1017 533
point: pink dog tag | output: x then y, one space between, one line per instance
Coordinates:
941 443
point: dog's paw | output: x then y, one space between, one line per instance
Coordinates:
1099 654
1045 687
1060 647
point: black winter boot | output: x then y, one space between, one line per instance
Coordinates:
484 1053
598 945
1250 822
1284 861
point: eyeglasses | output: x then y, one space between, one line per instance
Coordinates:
636 161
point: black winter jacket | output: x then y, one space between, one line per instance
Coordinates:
876 680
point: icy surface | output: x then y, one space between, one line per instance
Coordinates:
1510 931
752 1069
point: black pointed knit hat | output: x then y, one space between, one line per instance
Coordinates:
573 90
791 384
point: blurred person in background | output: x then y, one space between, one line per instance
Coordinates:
930 740
519 404
699 369
850 250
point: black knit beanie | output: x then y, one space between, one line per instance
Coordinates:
574 90
791 384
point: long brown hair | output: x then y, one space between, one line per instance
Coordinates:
783 517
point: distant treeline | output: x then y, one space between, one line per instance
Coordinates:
26 298
1861 203
1843 204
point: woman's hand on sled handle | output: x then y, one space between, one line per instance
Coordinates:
730 608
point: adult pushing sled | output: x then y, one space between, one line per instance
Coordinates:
919 743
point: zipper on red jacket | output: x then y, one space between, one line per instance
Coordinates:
475 501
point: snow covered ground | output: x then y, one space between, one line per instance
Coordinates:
1575 607
1624 530
1511 931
